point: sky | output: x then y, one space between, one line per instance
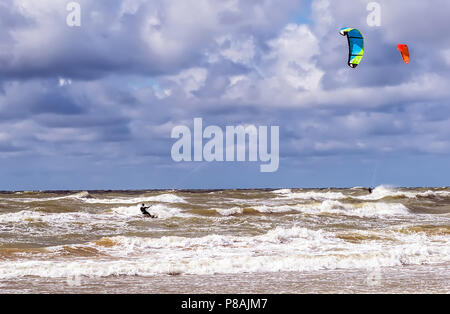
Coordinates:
93 107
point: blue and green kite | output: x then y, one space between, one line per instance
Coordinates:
355 45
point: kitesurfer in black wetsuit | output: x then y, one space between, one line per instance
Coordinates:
145 212
370 190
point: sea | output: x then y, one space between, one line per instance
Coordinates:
280 241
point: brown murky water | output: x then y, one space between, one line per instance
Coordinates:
233 241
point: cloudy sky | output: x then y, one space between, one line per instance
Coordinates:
92 107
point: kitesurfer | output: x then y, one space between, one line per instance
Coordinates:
145 212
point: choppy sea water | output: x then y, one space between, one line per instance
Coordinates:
229 241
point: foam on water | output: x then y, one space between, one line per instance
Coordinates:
229 211
161 210
312 195
163 198
26 216
378 193
385 191
361 209
80 221
86 198
365 209
280 249
79 195
282 191
34 223
296 230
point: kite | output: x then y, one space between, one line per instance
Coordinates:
404 51
355 45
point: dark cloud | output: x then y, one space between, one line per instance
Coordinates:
109 93
128 37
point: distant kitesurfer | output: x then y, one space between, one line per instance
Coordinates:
145 212
370 190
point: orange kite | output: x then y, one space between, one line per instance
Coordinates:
405 52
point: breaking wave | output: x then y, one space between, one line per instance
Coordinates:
365 209
163 198
280 249
385 191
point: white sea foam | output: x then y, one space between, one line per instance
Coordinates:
229 211
26 216
385 191
313 195
282 191
85 197
336 207
79 195
34 223
120 215
163 198
160 210
434 193
364 209
378 193
280 249
265 208
117 215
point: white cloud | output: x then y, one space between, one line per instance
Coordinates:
293 54
238 50
230 59
190 80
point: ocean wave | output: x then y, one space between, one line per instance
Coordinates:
275 209
163 198
381 192
121 214
280 249
160 210
88 198
365 209
114 215
360 209
282 191
312 195
78 195
229 211
27 216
